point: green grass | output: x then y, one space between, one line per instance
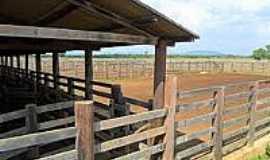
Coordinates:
265 156
260 157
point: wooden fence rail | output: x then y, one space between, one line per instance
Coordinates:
227 120
125 69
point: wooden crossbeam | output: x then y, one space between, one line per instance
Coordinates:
72 35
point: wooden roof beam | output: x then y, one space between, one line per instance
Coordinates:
60 11
71 35
93 8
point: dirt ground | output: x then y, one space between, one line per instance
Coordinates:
143 88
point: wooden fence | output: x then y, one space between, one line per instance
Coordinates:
202 123
71 87
130 69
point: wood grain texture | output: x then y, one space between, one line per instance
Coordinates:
84 121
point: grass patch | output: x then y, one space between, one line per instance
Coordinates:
265 156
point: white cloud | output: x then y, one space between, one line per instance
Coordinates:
202 14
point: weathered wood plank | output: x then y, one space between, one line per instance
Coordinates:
15 132
7 156
194 92
160 73
195 135
262 122
194 105
55 107
233 146
130 139
31 123
199 119
236 109
67 34
88 74
12 115
56 123
127 120
234 133
236 121
29 140
170 100
69 155
192 150
218 123
237 96
262 132
84 113
252 113
141 154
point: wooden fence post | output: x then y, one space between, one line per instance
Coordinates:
218 124
252 111
31 123
84 120
170 100
71 91
46 80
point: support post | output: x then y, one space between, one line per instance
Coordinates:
56 70
18 61
160 73
71 91
88 74
2 60
32 126
46 80
38 69
170 99
27 65
84 120
11 61
252 112
218 124
6 60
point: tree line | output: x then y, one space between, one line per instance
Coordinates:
262 53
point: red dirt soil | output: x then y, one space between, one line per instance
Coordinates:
143 88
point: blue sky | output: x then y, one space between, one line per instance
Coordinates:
227 26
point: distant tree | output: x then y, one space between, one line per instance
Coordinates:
262 53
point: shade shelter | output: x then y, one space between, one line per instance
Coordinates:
37 27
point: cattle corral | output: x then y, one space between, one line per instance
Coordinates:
118 110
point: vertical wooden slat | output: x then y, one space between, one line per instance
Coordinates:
11 61
71 91
170 99
218 124
252 112
88 74
18 58
117 94
84 113
160 72
56 70
6 60
46 80
26 65
32 126
38 68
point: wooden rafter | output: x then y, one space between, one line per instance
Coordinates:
71 35
93 8
60 11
